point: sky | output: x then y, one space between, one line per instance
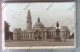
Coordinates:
49 13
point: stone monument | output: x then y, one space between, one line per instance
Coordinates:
57 33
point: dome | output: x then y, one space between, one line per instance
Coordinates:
38 24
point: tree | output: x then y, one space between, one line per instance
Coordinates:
8 34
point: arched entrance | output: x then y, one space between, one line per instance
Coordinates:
37 35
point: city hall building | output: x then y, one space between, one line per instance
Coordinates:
40 32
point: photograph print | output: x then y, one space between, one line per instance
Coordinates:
39 24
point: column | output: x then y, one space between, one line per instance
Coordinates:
45 35
32 35
53 34
42 35
21 36
65 34
24 36
14 36
29 36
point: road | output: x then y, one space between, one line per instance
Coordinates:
68 42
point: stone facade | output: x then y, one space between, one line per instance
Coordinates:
39 31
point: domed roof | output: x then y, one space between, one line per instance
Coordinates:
38 24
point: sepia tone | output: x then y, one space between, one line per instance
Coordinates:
38 33
39 25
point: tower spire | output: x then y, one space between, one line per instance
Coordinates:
28 11
29 21
38 19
